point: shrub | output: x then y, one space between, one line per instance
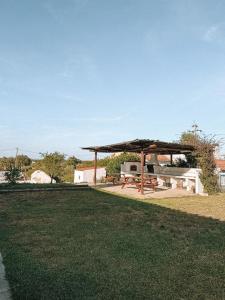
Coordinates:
114 164
203 157
12 175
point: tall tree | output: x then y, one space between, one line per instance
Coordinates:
69 166
72 161
52 164
22 161
203 157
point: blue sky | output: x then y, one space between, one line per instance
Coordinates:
89 72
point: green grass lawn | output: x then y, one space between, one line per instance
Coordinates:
26 186
92 245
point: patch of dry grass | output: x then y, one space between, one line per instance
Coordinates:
207 206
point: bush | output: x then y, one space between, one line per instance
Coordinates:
12 175
203 158
90 163
114 164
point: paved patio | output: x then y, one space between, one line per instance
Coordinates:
131 191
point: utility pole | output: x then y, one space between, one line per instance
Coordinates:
195 129
17 150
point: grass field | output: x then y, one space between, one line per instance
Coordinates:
93 245
31 186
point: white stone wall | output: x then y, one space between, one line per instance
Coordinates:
190 176
78 176
41 177
2 177
126 168
81 176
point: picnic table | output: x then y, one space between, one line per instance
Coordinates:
136 181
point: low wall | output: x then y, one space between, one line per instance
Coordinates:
187 172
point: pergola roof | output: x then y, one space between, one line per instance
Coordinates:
148 146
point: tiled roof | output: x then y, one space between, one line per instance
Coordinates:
220 163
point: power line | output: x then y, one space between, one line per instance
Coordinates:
5 150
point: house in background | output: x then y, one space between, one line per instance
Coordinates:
86 174
2 177
220 164
39 176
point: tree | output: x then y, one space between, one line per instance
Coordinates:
203 157
114 163
103 162
7 163
52 164
193 139
12 175
22 161
69 166
72 161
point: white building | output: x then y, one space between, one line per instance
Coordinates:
220 164
41 177
86 174
2 177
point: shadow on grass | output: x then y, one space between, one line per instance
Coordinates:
90 244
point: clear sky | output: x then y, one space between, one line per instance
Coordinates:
89 72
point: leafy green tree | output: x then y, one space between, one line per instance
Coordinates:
52 164
68 170
72 161
203 157
103 162
22 161
12 175
189 138
114 163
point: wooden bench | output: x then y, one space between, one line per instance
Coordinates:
112 179
148 182
129 181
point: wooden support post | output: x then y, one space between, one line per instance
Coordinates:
95 168
142 172
171 159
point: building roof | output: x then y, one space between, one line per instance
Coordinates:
220 163
148 146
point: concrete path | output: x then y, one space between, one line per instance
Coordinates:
132 191
5 293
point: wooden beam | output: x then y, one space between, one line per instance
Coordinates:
95 168
142 172
171 159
